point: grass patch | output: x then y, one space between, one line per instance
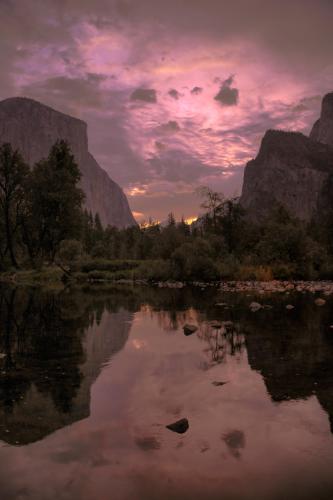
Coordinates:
44 276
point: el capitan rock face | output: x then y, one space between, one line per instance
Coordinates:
33 128
292 170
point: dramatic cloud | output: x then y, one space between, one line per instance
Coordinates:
128 68
228 96
174 94
307 103
196 90
168 128
146 95
85 90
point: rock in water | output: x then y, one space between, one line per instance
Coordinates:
189 329
180 426
33 128
255 306
292 170
320 302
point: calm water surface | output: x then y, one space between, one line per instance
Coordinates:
89 379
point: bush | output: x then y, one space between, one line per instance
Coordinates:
108 265
255 273
326 271
228 267
283 271
154 270
194 262
69 251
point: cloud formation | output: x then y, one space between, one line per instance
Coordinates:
171 127
174 94
134 71
196 90
146 95
228 95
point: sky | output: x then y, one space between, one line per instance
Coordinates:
177 94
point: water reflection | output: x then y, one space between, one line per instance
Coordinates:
116 364
51 353
293 351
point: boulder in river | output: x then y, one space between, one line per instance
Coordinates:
189 329
180 426
255 306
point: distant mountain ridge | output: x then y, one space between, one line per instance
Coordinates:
33 128
292 170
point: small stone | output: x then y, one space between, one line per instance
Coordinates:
290 307
189 329
320 302
255 306
180 426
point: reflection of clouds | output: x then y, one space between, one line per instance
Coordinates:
124 447
138 344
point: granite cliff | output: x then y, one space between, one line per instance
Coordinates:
322 130
292 170
33 128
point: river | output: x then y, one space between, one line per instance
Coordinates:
91 377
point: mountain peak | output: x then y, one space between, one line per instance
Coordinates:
291 169
322 130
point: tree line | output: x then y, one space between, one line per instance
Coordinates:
39 207
43 222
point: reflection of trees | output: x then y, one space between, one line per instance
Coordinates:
293 351
223 341
44 368
41 344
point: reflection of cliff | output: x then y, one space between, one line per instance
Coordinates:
293 351
52 346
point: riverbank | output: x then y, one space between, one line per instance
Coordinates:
54 276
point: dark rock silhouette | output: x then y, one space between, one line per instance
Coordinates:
292 170
33 128
180 426
322 130
189 329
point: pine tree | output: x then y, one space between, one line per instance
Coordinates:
13 175
56 199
